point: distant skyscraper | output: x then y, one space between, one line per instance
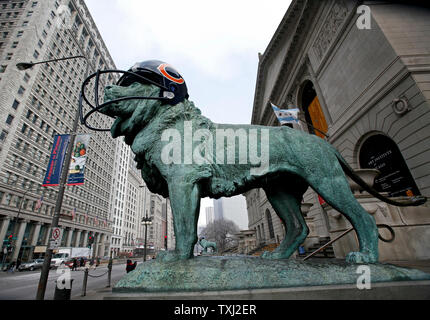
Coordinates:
218 209
209 215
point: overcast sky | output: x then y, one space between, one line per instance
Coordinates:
213 44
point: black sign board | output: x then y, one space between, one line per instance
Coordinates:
380 152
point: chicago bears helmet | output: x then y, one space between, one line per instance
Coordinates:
172 85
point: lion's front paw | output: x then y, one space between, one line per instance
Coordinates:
361 257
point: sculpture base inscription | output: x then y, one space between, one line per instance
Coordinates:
218 273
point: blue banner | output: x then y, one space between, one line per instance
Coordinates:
78 161
55 165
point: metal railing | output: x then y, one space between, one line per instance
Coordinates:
393 235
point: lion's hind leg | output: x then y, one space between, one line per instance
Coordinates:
286 204
334 188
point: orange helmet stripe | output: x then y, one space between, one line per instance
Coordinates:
162 69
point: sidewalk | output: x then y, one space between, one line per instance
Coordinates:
423 265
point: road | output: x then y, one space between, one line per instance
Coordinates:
23 285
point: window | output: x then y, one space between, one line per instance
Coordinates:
34 4
29 13
19 34
9 119
14 44
9 56
36 54
26 77
21 90
15 104
3 135
3 69
25 23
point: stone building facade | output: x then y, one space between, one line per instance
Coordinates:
35 105
359 72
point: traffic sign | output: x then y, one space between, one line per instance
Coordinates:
56 236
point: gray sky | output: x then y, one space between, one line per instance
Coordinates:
213 44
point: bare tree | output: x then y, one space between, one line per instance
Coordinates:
220 231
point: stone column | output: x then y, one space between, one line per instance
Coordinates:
85 235
102 246
78 238
69 237
20 237
34 238
47 235
96 244
3 229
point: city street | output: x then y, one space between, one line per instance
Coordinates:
23 285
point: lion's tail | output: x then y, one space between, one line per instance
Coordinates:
413 201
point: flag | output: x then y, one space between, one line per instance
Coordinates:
95 220
105 222
39 203
86 218
55 165
73 213
286 115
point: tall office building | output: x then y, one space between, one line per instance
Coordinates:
209 215
35 105
218 209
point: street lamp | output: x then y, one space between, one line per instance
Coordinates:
146 221
56 218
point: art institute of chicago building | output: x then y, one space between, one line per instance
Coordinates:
366 85
40 102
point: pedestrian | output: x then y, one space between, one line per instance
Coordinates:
18 262
82 262
12 267
130 266
75 264
97 261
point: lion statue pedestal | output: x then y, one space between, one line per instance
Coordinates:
190 278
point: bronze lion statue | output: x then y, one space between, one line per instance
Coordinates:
185 156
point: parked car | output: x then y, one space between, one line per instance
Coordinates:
31 265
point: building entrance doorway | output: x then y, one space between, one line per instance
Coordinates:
314 116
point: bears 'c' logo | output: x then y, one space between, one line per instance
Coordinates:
162 69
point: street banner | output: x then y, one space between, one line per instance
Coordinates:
55 165
78 161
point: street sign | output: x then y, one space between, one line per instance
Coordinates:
56 236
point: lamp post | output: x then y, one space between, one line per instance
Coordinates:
56 218
146 221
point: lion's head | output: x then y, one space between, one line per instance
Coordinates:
131 115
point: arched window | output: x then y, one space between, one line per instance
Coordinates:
381 153
270 224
